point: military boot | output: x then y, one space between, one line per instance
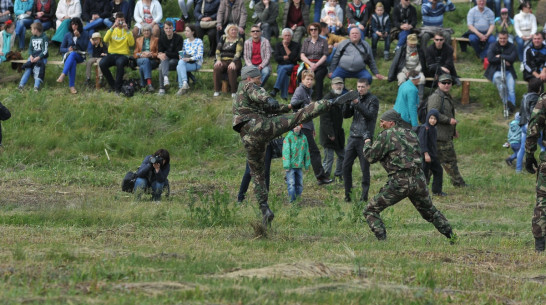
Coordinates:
540 244
381 236
267 214
453 238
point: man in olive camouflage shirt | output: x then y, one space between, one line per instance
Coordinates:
537 126
256 117
397 148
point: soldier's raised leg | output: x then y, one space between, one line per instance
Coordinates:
539 214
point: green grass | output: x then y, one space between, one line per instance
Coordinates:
69 235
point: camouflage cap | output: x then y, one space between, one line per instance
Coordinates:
391 116
250 71
445 77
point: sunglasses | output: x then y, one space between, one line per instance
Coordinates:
255 31
313 29
445 83
441 39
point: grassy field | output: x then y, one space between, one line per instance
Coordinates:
70 236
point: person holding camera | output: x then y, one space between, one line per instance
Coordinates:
153 173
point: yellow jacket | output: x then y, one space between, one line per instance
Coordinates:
119 41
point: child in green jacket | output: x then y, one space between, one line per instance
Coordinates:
295 156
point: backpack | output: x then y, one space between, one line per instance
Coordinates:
128 182
422 110
129 87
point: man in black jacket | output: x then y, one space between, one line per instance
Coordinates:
169 45
364 112
499 51
439 58
534 59
332 135
96 13
404 17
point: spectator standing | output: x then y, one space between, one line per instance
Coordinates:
332 135
38 53
499 51
439 58
534 59
433 19
525 25
97 15
231 12
404 18
301 98
314 51
192 58
481 24
170 43
228 59
351 58
295 158
296 18
358 14
287 54
530 99
429 152
410 57
257 52
514 138
185 7
407 99
397 148
23 16
145 53
267 12
153 173
206 13
442 101
73 48
97 50
7 40
4 115
381 27
364 112
150 12
119 39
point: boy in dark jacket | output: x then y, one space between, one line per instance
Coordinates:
429 152
381 26
38 51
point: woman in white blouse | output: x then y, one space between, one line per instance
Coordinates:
525 25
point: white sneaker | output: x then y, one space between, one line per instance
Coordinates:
251 4
166 81
521 68
185 85
216 94
233 95
161 92
180 91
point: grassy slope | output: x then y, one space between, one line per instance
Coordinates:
70 235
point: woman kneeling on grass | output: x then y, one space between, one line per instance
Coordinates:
73 49
153 173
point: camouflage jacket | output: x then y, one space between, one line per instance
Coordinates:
396 148
251 103
537 125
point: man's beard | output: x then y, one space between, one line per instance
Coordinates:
338 91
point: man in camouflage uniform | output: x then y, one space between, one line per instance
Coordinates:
537 125
442 101
397 148
252 118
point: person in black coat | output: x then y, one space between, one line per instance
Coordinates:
153 172
97 14
404 18
332 135
503 50
439 58
429 151
4 115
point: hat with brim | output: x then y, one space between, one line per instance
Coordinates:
250 71
95 35
337 80
445 77
412 38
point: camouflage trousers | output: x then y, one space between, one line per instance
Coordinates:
448 159
256 133
410 184
539 215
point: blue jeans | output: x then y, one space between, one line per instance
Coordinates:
375 39
507 4
481 47
38 70
521 152
358 74
515 148
70 67
145 69
402 38
510 86
294 183
141 185
331 56
21 29
283 79
318 8
521 44
97 23
182 70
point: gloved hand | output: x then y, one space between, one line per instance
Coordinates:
531 163
297 104
273 103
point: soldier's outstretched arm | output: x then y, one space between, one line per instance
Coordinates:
536 124
376 151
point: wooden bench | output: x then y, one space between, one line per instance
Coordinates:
454 41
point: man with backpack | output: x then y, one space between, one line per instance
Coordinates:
446 127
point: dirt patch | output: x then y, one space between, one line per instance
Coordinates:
294 270
155 288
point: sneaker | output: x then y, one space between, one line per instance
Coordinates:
273 93
521 68
150 88
324 181
233 95
20 88
251 4
180 91
508 161
36 89
386 56
166 81
440 194
185 85
216 94
161 91
255 15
